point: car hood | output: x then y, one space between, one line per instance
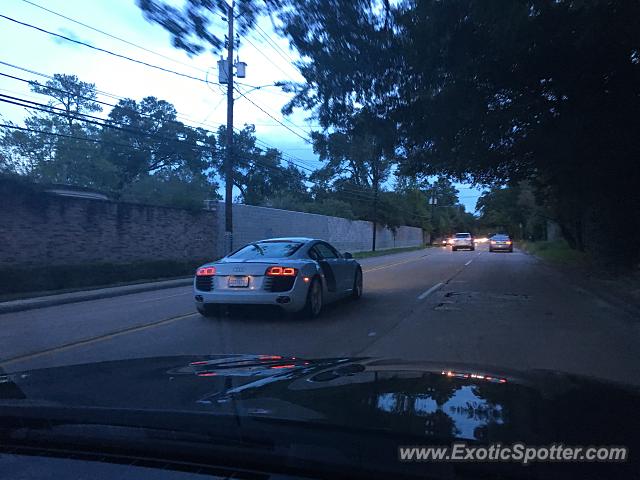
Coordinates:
431 400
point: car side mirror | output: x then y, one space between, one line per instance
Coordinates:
348 256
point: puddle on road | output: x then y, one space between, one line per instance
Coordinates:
453 301
446 306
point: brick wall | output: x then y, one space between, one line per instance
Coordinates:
37 228
252 223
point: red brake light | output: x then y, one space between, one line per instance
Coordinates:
204 271
277 271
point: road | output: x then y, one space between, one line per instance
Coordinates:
496 309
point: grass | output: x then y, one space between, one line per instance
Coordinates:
624 286
557 252
388 251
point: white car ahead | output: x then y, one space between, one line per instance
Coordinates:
463 240
295 274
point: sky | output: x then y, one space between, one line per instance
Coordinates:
198 103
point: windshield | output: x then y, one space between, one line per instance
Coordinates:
418 218
266 250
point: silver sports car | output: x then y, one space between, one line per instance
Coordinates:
296 274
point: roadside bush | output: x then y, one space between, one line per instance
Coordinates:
62 277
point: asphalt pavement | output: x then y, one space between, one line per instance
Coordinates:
497 309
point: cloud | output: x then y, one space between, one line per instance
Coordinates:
69 34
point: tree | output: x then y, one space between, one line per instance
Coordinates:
171 190
145 138
61 147
358 157
260 175
191 23
514 210
493 93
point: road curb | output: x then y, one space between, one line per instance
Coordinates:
13 306
74 297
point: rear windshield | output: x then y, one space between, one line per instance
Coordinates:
500 237
463 235
266 250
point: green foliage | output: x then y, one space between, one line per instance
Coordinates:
193 23
60 155
144 155
170 191
331 207
513 210
150 140
31 280
260 175
488 92
557 251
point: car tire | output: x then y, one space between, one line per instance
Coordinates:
490 250
208 311
453 249
313 306
356 292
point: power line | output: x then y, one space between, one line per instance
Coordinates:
117 97
358 195
73 137
99 122
262 87
268 59
306 139
179 115
284 118
107 94
288 158
103 50
273 44
90 119
113 36
349 193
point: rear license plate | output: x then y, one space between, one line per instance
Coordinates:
238 282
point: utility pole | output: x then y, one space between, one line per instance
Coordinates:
375 209
228 167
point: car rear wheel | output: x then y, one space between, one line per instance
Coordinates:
313 306
356 293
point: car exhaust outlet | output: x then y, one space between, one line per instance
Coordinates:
283 299
199 298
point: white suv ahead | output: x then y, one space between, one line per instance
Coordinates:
463 240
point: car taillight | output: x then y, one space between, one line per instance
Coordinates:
508 242
277 271
493 242
205 271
